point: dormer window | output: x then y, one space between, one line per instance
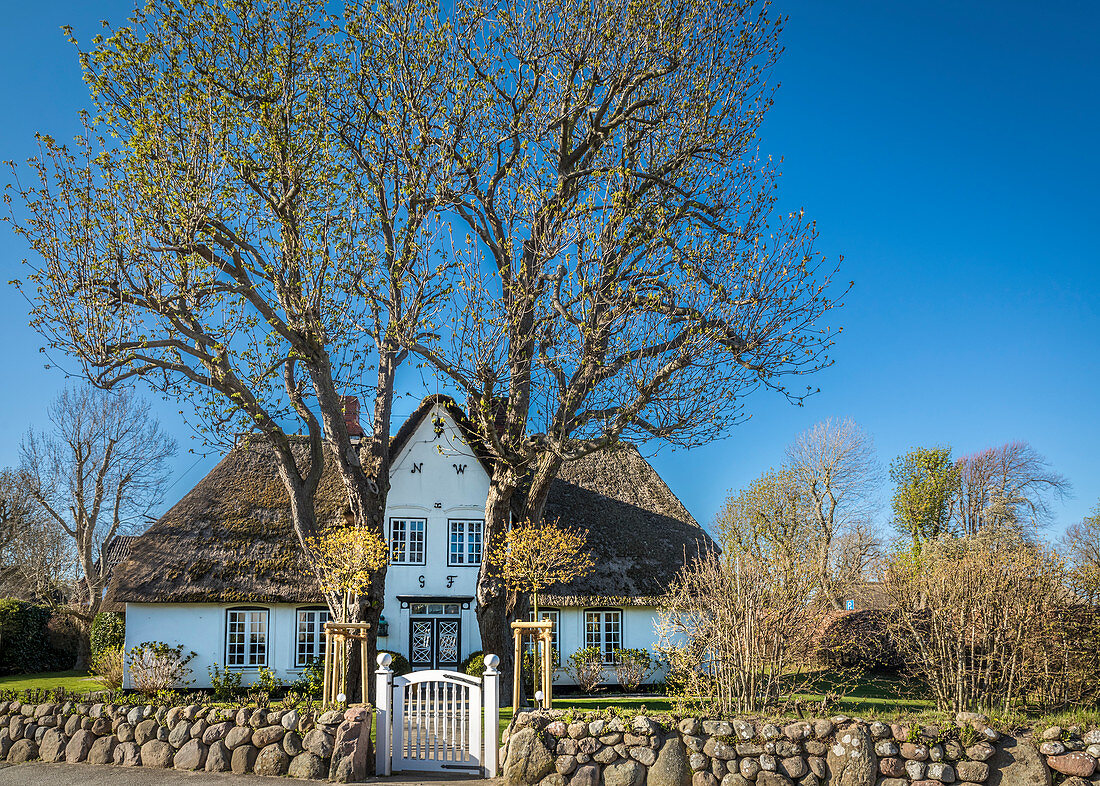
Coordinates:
465 542
407 541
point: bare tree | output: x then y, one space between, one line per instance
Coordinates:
1081 548
246 226
1012 484
736 627
36 557
625 276
96 471
834 467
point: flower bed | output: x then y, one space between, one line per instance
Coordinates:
307 744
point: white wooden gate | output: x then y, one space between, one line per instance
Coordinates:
437 721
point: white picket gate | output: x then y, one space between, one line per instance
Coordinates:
437 720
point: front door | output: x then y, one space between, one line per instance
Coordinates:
434 642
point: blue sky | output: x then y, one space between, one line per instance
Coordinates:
947 150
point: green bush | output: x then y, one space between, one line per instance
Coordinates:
226 684
312 679
400 664
108 632
474 665
268 682
26 643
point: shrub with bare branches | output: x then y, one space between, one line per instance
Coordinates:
156 666
736 627
975 617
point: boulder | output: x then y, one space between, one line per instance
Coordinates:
529 758
1078 764
671 766
736 779
644 756
242 759
851 760
238 736
23 750
703 779
717 749
218 758
192 756
272 760
103 750
892 767
127 754
292 744
267 735
52 747
565 764
79 746
749 768
793 767
625 772
317 742
972 770
145 731
157 753
180 734
586 775
941 771
1017 763
216 732
766 778
307 766
125 732
289 721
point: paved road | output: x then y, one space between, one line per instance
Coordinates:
91 775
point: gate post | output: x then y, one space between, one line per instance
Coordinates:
383 700
490 697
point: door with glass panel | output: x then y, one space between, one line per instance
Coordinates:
435 642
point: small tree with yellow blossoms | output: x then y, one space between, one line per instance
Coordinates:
346 558
532 557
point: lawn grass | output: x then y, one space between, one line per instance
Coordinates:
75 681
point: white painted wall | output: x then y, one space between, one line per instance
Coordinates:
436 492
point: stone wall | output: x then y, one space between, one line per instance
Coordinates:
1072 753
553 748
330 745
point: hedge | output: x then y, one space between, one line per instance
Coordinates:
31 640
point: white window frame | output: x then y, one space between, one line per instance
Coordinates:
254 621
470 533
315 617
608 635
404 547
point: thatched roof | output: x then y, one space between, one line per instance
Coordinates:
230 540
639 532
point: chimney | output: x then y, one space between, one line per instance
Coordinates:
351 416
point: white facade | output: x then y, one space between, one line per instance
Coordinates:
433 523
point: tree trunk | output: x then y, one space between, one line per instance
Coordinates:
83 660
495 604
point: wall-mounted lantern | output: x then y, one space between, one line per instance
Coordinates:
383 627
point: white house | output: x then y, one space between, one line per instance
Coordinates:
220 573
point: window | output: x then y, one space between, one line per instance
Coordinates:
554 616
435 609
246 638
407 541
604 630
465 542
310 642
